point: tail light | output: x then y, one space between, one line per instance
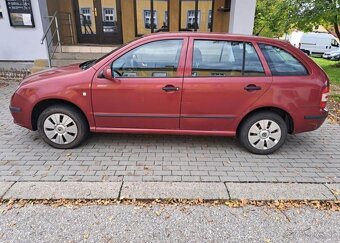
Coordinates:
324 95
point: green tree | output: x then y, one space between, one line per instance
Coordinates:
274 18
271 18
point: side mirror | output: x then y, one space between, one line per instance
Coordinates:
107 73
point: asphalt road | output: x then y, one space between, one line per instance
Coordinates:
129 223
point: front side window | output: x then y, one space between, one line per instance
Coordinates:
334 43
225 58
282 63
155 59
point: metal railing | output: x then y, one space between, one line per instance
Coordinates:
52 31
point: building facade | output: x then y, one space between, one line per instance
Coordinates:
108 22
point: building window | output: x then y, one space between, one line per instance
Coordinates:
108 15
196 15
147 19
86 16
151 16
191 22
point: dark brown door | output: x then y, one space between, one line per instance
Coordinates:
98 21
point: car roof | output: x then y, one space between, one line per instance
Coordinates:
216 35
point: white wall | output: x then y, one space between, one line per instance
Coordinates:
23 44
242 14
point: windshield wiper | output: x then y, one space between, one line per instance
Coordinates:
87 64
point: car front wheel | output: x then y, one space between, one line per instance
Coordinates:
263 133
62 127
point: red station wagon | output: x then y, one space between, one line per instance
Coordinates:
257 89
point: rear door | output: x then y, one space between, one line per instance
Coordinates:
221 82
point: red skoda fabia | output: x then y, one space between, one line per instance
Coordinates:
257 89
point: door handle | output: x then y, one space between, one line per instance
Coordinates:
252 87
169 88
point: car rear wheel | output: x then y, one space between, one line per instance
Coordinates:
62 127
263 133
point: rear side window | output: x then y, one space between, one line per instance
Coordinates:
225 58
282 63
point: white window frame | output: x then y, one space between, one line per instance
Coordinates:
108 16
191 17
147 17
87 13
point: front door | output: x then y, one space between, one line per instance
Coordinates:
98 21
146 90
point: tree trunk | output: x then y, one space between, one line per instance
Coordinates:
336 26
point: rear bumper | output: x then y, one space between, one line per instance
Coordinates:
317 117
310 120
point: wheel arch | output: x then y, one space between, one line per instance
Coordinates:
42 105
284 114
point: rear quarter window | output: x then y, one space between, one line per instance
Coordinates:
281 62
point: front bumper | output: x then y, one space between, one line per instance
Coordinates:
21 111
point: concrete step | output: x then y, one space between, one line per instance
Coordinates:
66 62
86 48
35 69
76 56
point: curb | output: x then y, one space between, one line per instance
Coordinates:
168 190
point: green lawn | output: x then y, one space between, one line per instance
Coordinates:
332 68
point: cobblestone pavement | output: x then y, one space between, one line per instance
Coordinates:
311 157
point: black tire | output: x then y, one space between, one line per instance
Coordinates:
78 122
253 120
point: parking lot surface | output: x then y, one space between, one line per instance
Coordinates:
310 157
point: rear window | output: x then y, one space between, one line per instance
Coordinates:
282 63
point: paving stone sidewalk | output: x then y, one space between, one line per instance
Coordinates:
311 157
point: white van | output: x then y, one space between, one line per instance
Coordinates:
314 42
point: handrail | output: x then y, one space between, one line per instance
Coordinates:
53 29
54 20
49 27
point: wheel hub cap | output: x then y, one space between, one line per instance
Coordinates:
60 128
264 134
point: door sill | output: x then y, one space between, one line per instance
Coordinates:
162 131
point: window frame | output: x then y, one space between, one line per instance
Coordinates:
180 65
88 16
109 15
300 60
190 57
197 22
150 16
